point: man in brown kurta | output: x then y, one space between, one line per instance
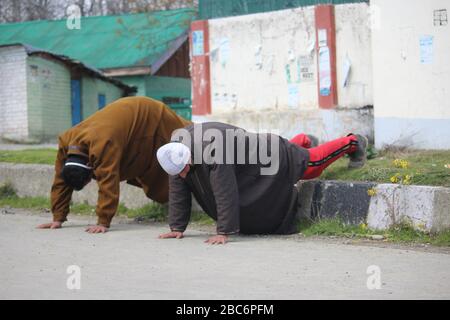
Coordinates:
119 143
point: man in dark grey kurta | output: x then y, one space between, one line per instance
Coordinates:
244 181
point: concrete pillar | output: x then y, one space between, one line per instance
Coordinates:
326 53
201 75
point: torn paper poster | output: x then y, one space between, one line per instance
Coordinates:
346 72
293 95
426 49
198 43
291 56
258 57
305 65
224 51
287 70
312 45
323 38
325 71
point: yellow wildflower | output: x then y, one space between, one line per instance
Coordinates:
399 163
407 179
394 179
372 192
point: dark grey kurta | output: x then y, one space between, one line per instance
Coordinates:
236 195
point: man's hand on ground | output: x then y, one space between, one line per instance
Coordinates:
97 229
172 235
219 239
52 225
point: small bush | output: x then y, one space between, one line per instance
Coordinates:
7 191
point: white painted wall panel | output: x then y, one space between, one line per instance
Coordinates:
13 93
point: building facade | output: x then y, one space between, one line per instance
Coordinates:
42 94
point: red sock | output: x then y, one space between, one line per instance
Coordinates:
322 156
301 140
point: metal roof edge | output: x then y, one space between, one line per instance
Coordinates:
30 50
174 46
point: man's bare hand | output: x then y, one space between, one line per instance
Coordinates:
97 229
52 225
172 235
219 239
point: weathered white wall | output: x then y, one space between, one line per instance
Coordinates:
412 99
13 93
249 57
256 60
354 43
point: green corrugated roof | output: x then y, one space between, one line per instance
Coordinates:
106 42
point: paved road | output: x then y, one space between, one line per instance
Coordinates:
130 262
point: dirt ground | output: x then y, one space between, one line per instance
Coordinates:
130 262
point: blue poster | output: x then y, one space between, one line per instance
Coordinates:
198 43
426 49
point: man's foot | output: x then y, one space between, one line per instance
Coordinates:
359 157
314 140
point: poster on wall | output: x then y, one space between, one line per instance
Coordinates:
305 64
198 43
293 95
347 67
426 49
224 51
325 71
323 39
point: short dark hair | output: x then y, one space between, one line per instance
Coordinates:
74 176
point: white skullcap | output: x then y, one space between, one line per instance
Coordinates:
173 157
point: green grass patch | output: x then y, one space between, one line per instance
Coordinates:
25 203
403 233
37 156
152 212
422 168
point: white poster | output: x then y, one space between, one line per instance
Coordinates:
325 71
224 51
346 72
323 38
305 68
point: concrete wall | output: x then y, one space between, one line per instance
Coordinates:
411 86
41 176
424 208
91 88
49 103
354 43
13 93
20 175
256 60
250 55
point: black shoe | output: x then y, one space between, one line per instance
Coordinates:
359 157
314 140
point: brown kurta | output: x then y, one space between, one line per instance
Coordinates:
121 142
